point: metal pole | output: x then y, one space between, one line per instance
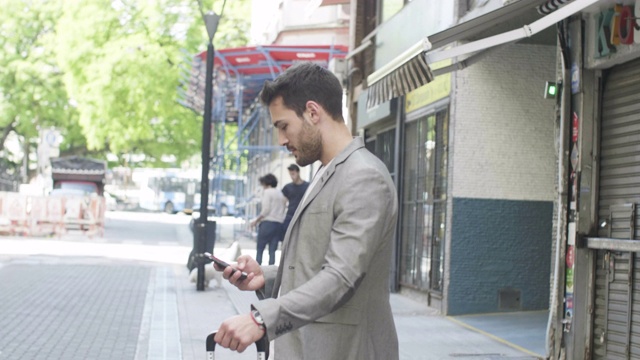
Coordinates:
201 231
200 234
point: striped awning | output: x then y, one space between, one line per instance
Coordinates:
551 6
409 76
411 70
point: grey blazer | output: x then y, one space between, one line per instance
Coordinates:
329 298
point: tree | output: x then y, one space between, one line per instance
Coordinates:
121 68
106 73
233 29
32 92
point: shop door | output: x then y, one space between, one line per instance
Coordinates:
616 321
424 203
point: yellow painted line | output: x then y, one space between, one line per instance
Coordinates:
498 339
503 313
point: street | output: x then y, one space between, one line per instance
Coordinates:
125 295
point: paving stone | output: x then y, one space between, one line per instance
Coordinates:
71 311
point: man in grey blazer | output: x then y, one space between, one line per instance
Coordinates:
329 297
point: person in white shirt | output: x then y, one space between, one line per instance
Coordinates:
274 207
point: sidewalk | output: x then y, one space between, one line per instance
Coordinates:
423 334
80 307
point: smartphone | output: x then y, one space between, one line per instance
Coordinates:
224 264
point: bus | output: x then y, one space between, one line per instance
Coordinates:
167 190
226 193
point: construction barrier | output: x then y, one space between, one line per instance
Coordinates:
29 215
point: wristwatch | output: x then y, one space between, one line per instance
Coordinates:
257 318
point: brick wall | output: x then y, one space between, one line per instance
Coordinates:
503 129
499 245
503 175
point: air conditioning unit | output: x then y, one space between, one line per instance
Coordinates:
339 68
344 12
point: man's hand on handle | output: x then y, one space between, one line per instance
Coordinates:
238 332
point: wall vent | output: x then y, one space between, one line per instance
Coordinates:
509 299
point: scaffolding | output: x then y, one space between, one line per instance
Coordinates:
239 74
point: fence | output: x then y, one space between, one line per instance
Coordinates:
50 215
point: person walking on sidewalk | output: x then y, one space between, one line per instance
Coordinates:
293 191
329 297
270 218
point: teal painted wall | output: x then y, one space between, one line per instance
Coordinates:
498 244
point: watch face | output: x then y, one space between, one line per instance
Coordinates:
258 317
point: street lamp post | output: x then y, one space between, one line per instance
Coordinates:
211 20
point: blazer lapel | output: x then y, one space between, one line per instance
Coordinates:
354 145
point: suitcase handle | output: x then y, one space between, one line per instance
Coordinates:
262 346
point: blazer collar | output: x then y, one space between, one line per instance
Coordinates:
354 145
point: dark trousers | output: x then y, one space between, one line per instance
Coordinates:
285 227
269 233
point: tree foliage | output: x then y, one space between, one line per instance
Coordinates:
32 91
107 72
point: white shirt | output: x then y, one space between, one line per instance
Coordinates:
274 205
315 181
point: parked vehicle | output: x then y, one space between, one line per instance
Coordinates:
225 194
166 190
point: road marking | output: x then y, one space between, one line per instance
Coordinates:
494 337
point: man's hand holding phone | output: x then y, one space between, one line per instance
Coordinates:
221 265
245 275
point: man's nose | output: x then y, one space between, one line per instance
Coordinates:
282 139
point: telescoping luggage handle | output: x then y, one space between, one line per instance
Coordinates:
262 345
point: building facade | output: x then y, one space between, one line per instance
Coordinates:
602 271
473 157
511 201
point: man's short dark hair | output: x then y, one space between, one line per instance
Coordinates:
269 180
302 82
294 167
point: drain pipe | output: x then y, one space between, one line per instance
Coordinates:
556 305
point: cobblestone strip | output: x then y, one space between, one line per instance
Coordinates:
142 349
164 333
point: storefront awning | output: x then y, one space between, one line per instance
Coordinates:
402 75
240 74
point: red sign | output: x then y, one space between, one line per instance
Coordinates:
575 127
570 256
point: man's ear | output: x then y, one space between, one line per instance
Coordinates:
315 110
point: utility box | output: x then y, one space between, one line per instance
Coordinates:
210 242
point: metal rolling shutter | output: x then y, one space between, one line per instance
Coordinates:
616 322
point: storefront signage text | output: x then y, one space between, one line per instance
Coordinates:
439 88
617 26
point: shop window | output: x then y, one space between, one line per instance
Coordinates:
424 202
386 148
370 144
383 145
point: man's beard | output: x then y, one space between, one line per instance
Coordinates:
310 145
